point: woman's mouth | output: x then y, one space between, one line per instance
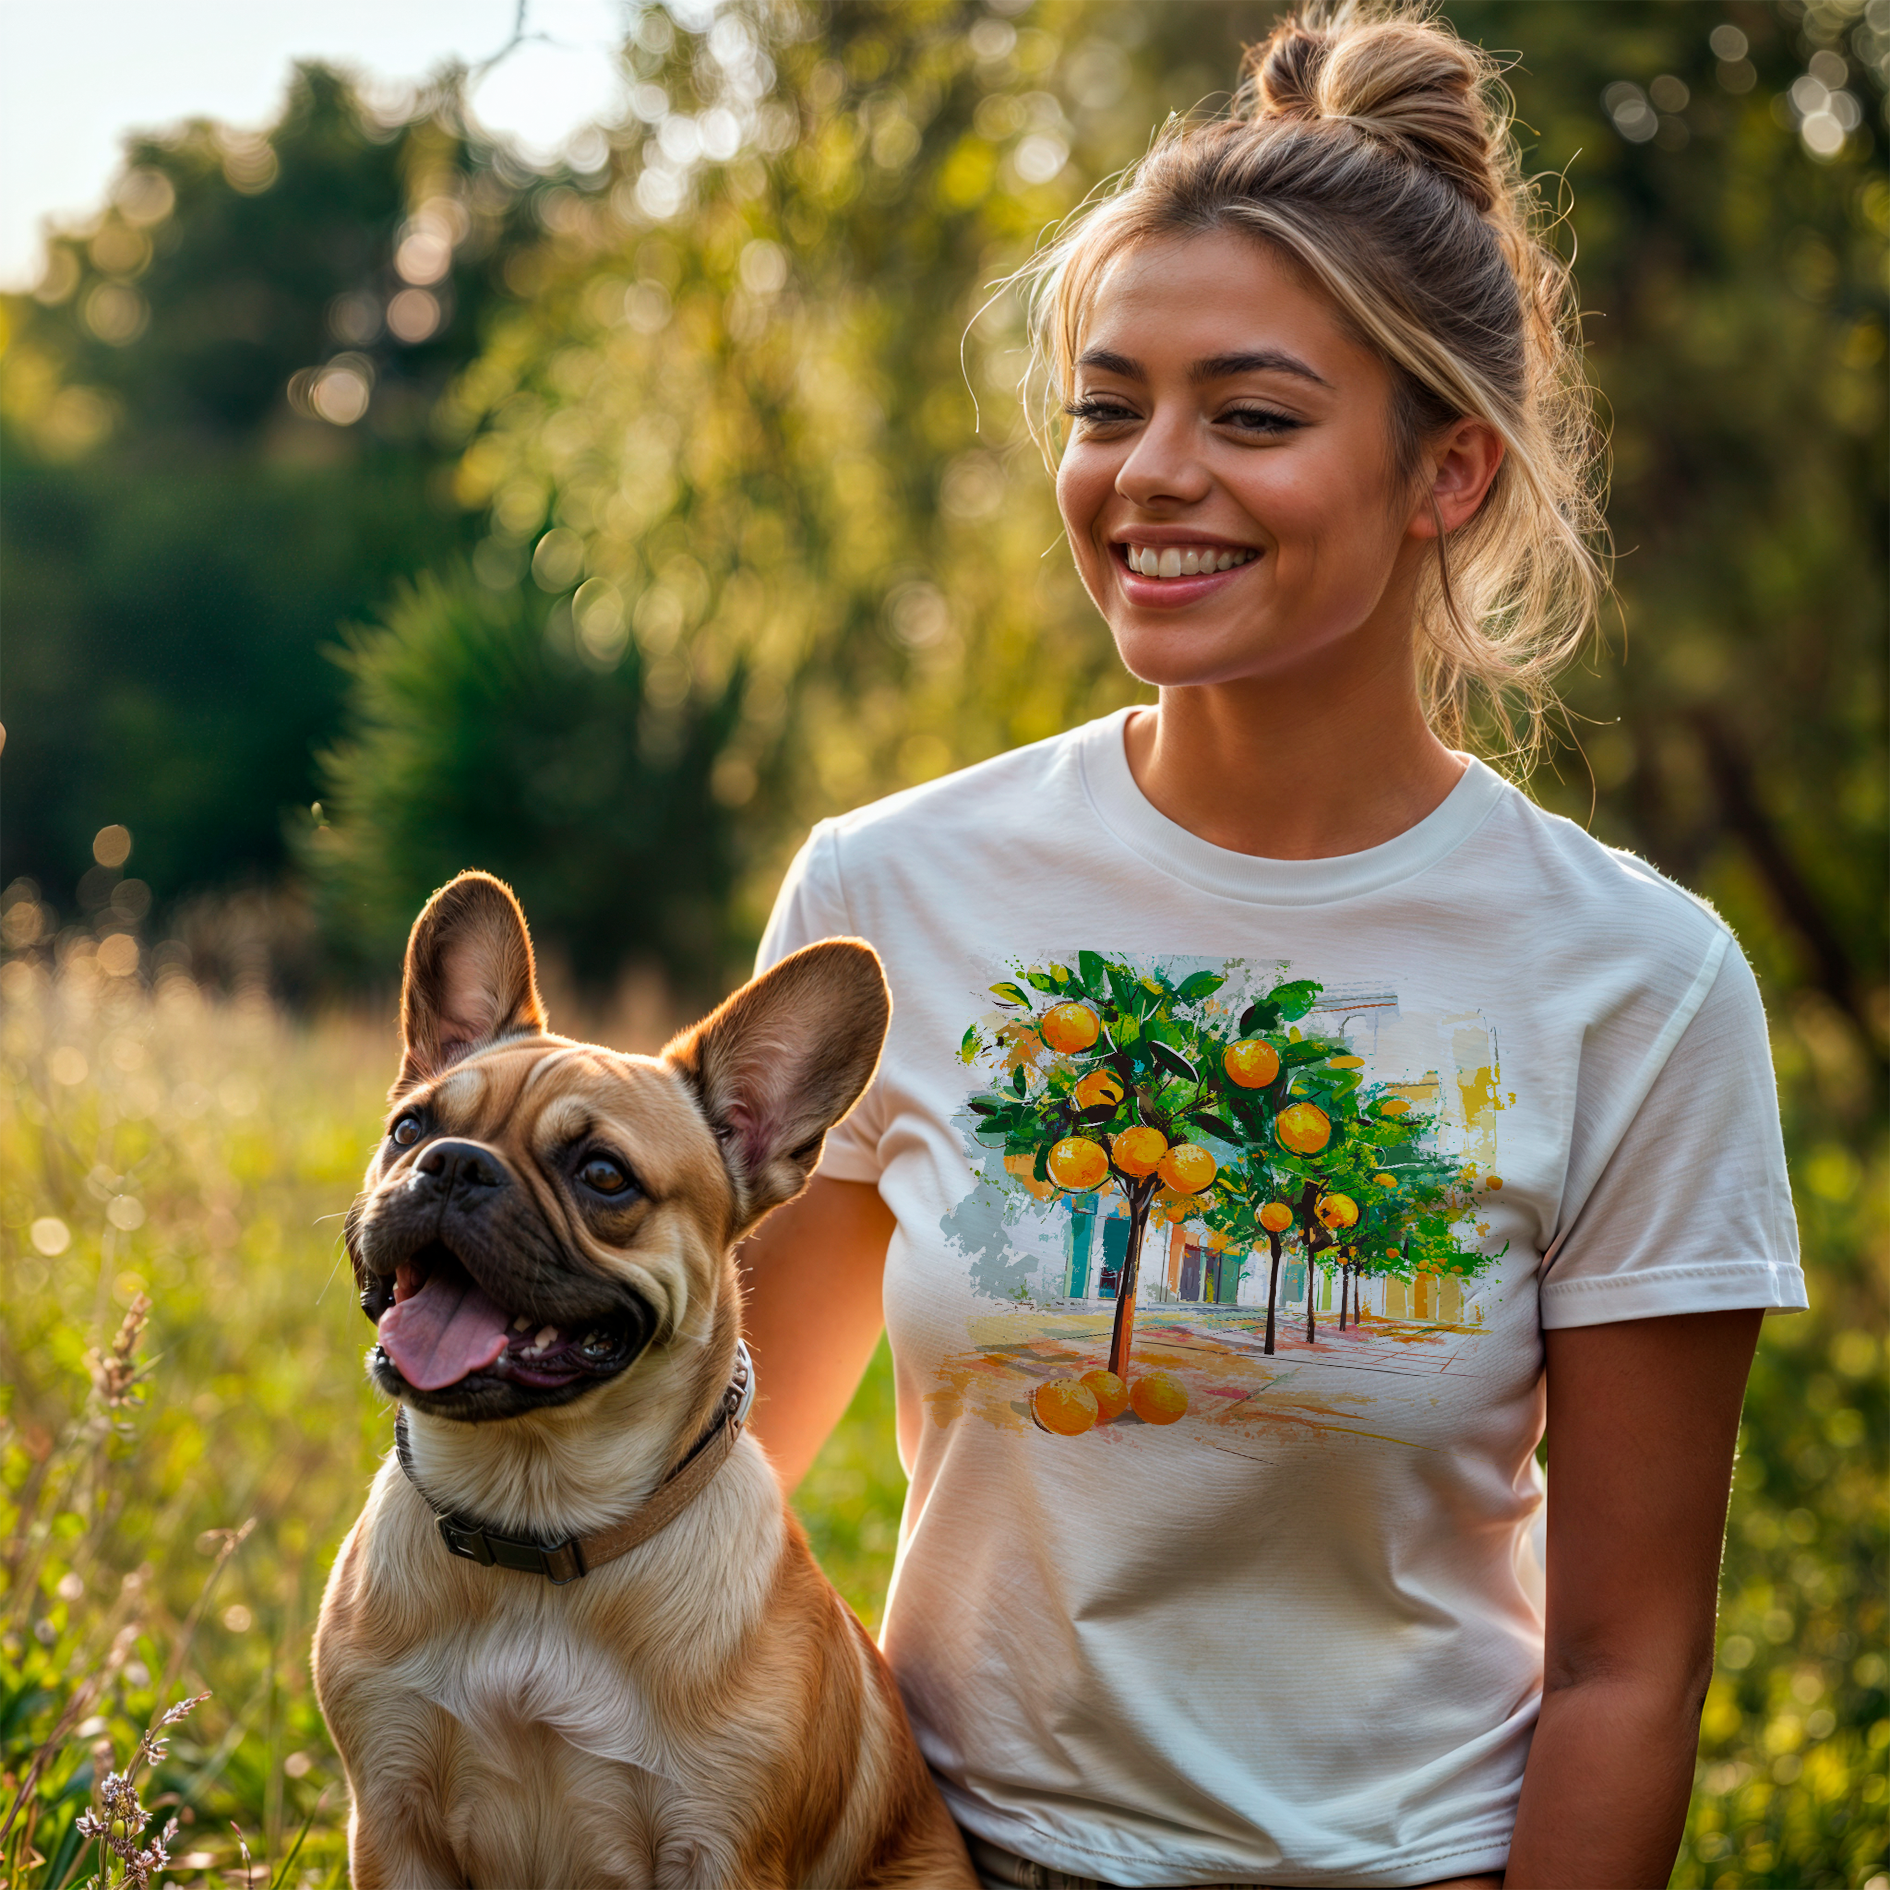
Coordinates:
1176 561
1170 577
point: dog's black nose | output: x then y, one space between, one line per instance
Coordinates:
454 1165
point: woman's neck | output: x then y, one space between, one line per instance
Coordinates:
1284 773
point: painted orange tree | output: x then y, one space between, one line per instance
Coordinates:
1114 1078
1375 1195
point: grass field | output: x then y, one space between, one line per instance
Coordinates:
160 1146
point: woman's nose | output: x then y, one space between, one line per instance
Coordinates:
1164 465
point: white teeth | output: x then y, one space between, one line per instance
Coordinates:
520 1323
543 1337
1172 562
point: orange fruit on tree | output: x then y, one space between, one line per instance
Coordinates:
1393 1106
1078 1164
1157 1398
1177 1211
1138 1151
1303 1127
1276 1217
1337 1210
1023 1169
1069 1028
1065 1406
1099 1089
1494 1181
1110 1393
1187 1167
1252 1063
1384 1181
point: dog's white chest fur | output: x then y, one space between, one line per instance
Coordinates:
500 1686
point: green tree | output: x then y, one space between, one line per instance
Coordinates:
1106 1075
215 445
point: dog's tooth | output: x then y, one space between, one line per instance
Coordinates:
521 1323
543 1337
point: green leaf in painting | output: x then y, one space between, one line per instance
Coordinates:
1214 1126
1042 980
1174 1062
1260 1016
1091 967
1201 984
1294 999
1019 1081
1040 1168
985 1106
1010 994
1308 1050
968 1049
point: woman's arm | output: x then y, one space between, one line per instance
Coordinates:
811 1274
1642 1420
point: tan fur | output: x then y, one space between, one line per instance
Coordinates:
704 1711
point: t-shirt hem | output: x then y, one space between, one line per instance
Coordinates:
1462 1859
1663 1292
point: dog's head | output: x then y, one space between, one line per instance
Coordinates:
541 1215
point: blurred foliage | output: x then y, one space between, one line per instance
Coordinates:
192 495
465 711
716 468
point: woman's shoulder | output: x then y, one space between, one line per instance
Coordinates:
1595 890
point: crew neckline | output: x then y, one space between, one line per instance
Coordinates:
1170 848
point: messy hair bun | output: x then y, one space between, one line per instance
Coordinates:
1414 90
1373 147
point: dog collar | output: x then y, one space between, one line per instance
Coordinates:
568 1561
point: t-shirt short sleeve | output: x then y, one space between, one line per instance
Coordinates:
1678 1199
810 906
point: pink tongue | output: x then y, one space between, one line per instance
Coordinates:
442 1332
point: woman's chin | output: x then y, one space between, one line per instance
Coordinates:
1172 658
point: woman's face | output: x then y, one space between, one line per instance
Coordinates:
1228 483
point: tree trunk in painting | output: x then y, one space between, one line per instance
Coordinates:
1316 1238
1273 1286
1123 1335
1345 1286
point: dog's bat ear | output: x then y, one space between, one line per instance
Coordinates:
782 1061
470 977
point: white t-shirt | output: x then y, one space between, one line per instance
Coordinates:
1277 1621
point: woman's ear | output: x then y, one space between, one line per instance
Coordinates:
470 977
1458 468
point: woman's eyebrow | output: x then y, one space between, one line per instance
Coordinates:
1217 367
1222 367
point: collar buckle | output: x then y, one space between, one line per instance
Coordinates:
561 1563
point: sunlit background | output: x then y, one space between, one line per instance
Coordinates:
586 445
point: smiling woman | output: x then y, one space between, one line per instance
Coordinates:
1183 1596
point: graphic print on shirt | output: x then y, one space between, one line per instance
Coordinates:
1200 1187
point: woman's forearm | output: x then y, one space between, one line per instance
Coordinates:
1604 1797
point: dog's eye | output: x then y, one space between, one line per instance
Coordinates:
604 1175
406 1132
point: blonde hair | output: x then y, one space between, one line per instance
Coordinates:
1372 147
